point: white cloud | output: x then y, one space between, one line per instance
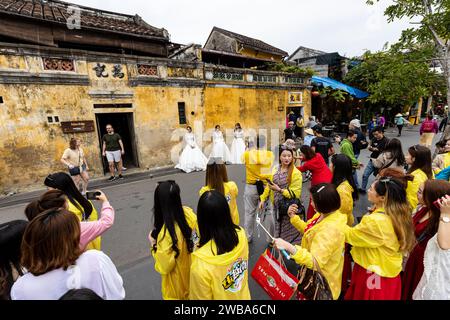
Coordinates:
346 26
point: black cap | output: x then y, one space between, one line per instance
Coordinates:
317 128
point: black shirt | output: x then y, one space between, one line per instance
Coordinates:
289 134
322 145
380 145
357 145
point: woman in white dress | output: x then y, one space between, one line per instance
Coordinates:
238 145
192 158
220 149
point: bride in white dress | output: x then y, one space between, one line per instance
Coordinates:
238 145
220 149
192 158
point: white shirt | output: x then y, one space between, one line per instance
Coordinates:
435 281
93 270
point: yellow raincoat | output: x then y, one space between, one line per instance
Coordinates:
345 191
375 244
413 186
96 243
174 271
231 193
326 242
295 186
258 164
220 277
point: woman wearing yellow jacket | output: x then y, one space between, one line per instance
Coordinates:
219 269
78 205
341 167
285 182
323 236
217 179
172 240
419 160
380 241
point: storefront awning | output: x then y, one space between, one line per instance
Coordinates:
328 82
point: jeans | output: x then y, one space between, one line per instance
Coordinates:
367 172
355 173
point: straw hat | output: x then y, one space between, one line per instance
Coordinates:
309 131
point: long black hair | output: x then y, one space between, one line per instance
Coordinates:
422 160
62 181
215 223
394 146
343 170
167 212
11 234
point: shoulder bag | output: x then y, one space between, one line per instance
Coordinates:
313 285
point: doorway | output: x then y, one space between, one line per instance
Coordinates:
123 124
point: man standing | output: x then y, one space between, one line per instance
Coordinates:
289 132
113 150
321 144
312 123
377 146
347 149
258 167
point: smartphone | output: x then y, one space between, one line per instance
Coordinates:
92 195
269 182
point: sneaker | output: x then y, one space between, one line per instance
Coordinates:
120 176
362 191
112 178
124 169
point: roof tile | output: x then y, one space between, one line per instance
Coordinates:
56 11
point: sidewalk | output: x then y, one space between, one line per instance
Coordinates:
95 183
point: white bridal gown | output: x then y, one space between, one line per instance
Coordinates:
192 158
237 147
220 149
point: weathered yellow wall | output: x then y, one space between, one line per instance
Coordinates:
30 148
12 62
258 54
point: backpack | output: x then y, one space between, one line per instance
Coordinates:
428 126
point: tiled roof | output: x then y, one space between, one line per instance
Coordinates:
251 42
58 12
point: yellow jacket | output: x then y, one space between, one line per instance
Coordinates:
258 164
345 191
375 244
220 277
96 243
441 162
174 271
295 186
413 186
231 193
326 242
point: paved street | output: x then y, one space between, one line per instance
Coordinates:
126 243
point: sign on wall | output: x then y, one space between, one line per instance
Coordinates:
77 126
295 97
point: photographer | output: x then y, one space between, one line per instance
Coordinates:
89 230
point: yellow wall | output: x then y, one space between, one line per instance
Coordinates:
258 54
30 148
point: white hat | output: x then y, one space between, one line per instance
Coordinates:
309 131
355 123
399 115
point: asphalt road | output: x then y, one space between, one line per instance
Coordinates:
126 242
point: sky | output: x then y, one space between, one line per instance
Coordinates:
349 27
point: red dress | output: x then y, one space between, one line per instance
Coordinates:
366 285
320 174
414 266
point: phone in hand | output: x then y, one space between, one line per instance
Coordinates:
269 182
92 195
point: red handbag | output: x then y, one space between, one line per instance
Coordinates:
271 274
